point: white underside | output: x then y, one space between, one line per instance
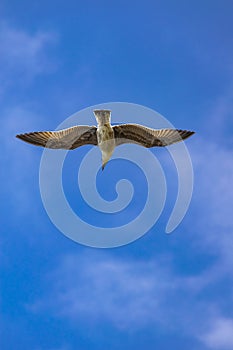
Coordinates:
105 142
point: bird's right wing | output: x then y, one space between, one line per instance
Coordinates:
147 137
70 138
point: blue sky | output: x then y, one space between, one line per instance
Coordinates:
161 291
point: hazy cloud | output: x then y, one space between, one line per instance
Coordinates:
127 294
220 334
23 55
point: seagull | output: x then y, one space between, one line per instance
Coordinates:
106 136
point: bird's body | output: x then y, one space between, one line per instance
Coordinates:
105 136
106 142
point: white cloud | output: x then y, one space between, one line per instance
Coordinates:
220 334
214 174
18 160
218 125
128 294
117 291
23 55
213 197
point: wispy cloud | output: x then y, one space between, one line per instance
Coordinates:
213 196
127 294
220 334
120 292
23 55
218 124
19 162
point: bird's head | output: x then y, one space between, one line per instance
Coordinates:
103 116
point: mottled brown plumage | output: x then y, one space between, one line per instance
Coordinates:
70 138
147 137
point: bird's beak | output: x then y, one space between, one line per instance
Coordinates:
103 166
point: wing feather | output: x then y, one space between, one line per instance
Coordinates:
147 137
70 138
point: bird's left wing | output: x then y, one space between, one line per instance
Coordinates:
70 138
147 137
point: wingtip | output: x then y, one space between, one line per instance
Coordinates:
19 136
188 133
191 133
26 138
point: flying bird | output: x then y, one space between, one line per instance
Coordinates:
105 136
